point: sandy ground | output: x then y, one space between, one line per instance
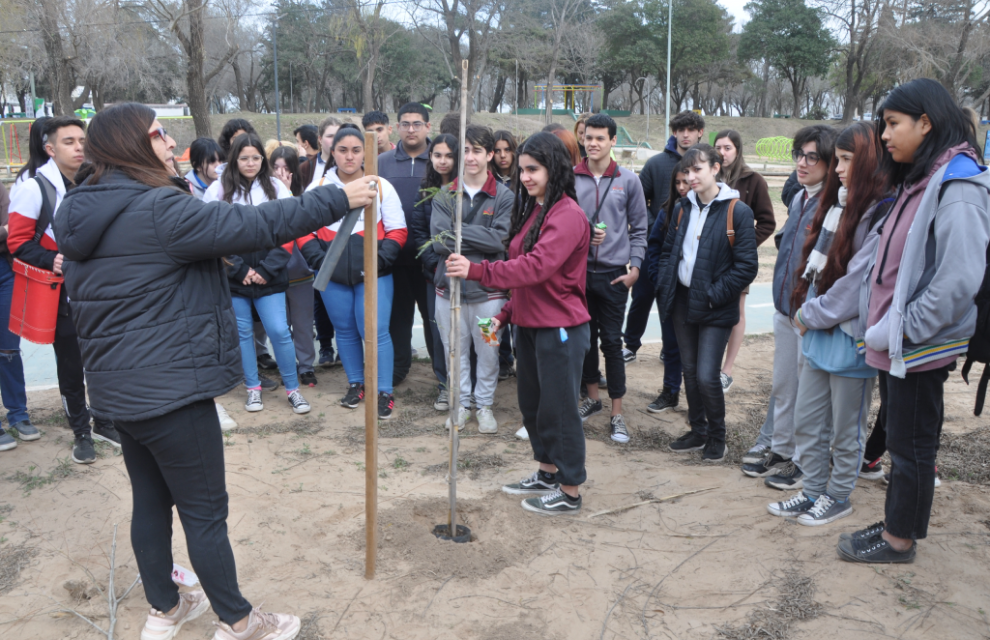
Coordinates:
713 564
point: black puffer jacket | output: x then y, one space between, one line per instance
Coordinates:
269 263
149 293
721 271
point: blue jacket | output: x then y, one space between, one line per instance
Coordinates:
789 251
405 173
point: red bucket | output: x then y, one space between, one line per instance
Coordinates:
34 305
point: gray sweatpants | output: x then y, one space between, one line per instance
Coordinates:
788 362
847 401
299 304
486 370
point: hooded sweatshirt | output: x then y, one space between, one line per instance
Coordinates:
547 283
25 207
655 178
483 234
919 300
617 197
789 251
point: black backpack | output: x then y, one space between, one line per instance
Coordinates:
979 344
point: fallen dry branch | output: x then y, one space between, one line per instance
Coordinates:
652 501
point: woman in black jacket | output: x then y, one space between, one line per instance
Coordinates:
706 262
258 279
154 319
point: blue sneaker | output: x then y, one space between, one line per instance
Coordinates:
6 441
25 430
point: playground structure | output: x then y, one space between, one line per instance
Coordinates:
571 92
777 148
13 159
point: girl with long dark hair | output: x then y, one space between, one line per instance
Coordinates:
37 156
284 161
504 162
836 383
753 191
548 243
669 353
153 315
258 279
920 317
702 271
344 295
440 171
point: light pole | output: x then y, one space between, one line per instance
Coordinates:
666 110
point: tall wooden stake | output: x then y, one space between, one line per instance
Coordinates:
454 368
371 363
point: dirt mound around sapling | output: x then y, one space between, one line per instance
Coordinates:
502 535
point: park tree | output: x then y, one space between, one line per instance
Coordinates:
790 37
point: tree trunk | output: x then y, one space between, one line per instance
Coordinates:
195 79
796 94
498 94
239 85
60 75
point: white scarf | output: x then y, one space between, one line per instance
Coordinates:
819 255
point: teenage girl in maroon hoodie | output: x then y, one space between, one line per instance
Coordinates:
546 273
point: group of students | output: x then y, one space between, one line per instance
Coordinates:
878 267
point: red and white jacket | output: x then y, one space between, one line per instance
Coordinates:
25 207
392 235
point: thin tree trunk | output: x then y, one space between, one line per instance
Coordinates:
58 66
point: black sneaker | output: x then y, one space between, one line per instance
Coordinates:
714 451
307 378
267 384
868 532
553 504
871 470
787 479
355 394
386 403
666 400
505 371
328 358
83 451
792 507
619 432
589 408
688 442
628 355
104 431
266 362
540 483
873 550
771 465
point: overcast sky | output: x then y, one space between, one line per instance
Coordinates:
735 8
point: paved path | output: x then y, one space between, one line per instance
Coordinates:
39 359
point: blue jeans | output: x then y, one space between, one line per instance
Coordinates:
345 306
271 310
11 366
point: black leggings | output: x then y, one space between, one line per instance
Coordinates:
177 459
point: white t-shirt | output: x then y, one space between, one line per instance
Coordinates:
256 196
471 192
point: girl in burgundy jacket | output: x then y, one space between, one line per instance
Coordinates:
546 273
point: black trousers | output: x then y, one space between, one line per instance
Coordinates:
177 460
876 445
71 379
409 292
701 349
548 372
436 356
324 328
914 413
607 307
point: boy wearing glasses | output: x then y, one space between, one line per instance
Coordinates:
774 456
404 167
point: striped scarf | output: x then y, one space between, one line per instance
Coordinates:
819 255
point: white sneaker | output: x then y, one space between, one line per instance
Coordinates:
254 400
226 422
522 434
486 420
262 626
299 404
161 626
463 415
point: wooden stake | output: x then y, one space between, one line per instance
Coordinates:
371 363
454 369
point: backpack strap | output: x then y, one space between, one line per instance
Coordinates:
729 230
48 198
